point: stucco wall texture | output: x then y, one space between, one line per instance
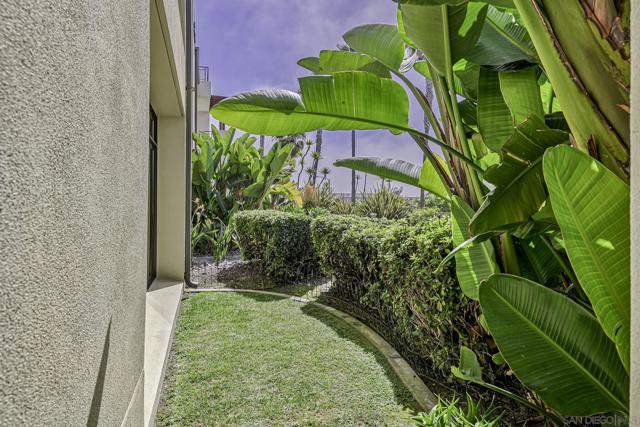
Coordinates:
74 82
635 217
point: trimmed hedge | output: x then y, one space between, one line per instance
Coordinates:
279 241
387 271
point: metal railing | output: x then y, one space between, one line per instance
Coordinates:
203 74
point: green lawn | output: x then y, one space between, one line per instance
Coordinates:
254 360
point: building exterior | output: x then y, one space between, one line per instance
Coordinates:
97 107
203 118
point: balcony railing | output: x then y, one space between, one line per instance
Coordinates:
203 74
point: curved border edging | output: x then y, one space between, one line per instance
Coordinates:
420 392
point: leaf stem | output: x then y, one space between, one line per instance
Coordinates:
476 192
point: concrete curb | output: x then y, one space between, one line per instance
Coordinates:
421 393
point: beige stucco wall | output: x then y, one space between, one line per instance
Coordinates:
171 197
635 217
74 82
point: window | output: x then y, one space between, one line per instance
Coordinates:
153 198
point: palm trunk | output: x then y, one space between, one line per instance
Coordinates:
316 158
353 172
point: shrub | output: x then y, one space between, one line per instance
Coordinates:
448 413
318 197
383 203
279 241
388 271
341 207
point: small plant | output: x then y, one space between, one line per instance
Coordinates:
383 203
320 196
211 235
341 207
447 413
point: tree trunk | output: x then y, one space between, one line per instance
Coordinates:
316 158
353 172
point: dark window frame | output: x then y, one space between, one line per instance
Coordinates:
152 218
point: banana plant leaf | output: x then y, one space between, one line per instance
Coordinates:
431 180
465 77
502 41
395 170
549 99
468 112
380 41
445 34
520 191
554 346
591 205
333 61
469 369
494 117
424 177
498 3
476 263
344 101
541 259
311 63
521 93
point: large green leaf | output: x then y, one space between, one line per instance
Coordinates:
554 346
469 368
424 177
591 205
520 190
541 258
502 41
333 61
521 93
311 63
430 179
345 101
494 117
475 263
380 41
393 169
436 28
498 3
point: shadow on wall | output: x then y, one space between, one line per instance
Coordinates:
96 401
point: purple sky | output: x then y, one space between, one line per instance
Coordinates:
251 44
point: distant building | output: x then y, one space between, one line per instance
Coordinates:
203 91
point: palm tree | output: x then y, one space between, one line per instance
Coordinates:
311 172
325 171
303 155
353 172
297 139
316 156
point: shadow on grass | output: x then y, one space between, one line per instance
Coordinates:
346 331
